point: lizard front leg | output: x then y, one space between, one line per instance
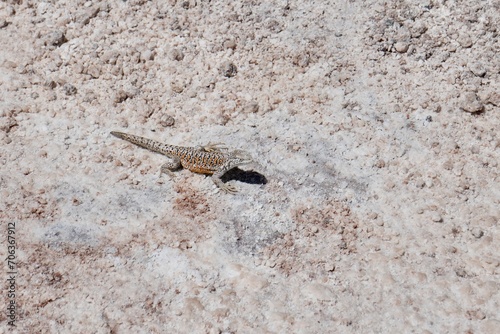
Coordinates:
227 188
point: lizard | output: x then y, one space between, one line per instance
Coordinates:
212 159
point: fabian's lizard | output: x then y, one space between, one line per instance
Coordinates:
213 159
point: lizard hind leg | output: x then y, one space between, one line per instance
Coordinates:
169 167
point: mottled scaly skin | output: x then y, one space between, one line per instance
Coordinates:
211 159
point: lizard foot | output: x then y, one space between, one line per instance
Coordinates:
228 188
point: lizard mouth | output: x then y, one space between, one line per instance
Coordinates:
243 157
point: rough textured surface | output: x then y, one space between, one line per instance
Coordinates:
375 123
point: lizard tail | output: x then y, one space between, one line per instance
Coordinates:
146 143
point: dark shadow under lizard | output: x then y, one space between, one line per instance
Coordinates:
250 177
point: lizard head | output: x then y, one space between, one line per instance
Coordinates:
240 157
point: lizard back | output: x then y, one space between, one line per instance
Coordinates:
203 162
193 159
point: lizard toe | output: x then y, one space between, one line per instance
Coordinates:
229 188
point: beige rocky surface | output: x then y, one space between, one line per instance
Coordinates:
375 124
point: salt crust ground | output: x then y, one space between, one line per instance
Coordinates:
375 124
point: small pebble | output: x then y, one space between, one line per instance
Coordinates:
493 98
177 86
401 47
86 15
251 108
469 102
417 30
477 232
461 272
478 69
419 184
302 60
94 71
465 41
166 121
110 56
55 38
69 89
10 11
230 44
436 217
228 69
329 266
120 96
176 54
146 55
